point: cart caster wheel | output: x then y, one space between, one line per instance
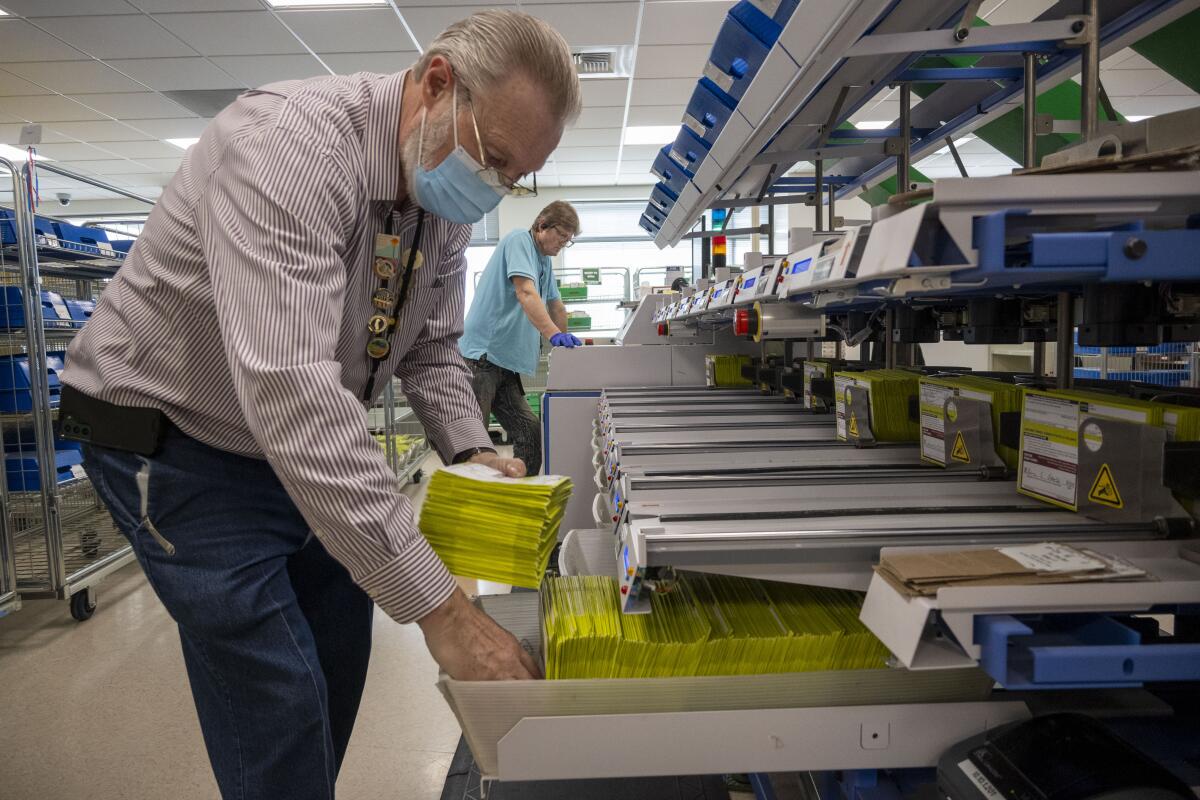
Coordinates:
416 478
82 608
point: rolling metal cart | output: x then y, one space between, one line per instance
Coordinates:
397 429
57 540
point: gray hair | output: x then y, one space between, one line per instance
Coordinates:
490 46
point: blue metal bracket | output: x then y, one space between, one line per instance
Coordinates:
1077 651
941 75
881 133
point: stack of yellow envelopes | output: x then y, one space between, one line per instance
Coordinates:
708 625
487 526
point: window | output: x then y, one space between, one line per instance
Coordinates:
487 230
612 240
477 260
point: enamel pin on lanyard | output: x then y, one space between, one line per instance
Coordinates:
386 300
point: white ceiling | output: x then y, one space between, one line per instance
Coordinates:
95 73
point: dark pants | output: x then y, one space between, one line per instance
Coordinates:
275 635
500 392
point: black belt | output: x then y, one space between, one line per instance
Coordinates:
132 429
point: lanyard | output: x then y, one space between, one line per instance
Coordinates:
383 328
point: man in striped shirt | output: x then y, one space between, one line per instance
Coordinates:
310 247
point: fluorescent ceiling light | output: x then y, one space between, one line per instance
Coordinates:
3 13
650 134
873 124
1137 117
316 3
18 155
183 144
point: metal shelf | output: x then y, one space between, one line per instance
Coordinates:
579 300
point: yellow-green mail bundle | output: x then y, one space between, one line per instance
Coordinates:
487 526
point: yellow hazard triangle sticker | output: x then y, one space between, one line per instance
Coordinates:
853 428
1104 489
959 451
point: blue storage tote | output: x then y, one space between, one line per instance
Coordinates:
655 215
91 242
81 311
45 227
670 173
662 198
736 57
689 150
8 226
764 18
123 245
15 396
707 112
22 468
649 225
55 311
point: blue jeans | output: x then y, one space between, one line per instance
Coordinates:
275 635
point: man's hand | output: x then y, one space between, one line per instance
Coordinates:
510 467
470 646
565 340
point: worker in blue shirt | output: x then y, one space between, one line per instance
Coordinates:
516 304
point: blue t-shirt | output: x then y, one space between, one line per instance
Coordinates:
496 325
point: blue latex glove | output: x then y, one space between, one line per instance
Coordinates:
565 340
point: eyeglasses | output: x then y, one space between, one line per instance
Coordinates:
497 179
568 239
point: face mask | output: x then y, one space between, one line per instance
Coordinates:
453 189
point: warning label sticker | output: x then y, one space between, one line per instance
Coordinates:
1104 489
959 451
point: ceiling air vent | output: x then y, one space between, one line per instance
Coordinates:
603 62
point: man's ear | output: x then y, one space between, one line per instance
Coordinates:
436 81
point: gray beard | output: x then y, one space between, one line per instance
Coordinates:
437 131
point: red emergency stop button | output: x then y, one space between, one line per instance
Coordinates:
662 329
741 322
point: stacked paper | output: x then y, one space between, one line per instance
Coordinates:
706 625
403 442
487 526
890 391
726 370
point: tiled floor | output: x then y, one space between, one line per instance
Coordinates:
101 710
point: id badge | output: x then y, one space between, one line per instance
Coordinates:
387 255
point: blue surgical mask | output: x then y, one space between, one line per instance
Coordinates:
453 189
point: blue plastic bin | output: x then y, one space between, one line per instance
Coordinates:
22 468
83 240
662 198
669 172
764 18
55 311
648 225
8 227
653 214
122 245
707 112
689 150
737 55
81 311
15 387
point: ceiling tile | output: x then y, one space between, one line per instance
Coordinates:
69 77
641 152
590 23
569 154
71 151
428 21
98 132
147 148
671 61
100 166
1174 87
384 62
10 133
121 36
166 74
67 8
1153 105
360 30
261 70
175 128
651 91
165 6
12 84
141 179
625 179
601 117
1133 82
591 137
1015 11
132 105
604 91
586 168
231 33
163 164
682 23
597 179
655 115
47 108
21 41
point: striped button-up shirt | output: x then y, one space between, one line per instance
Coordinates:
242 314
